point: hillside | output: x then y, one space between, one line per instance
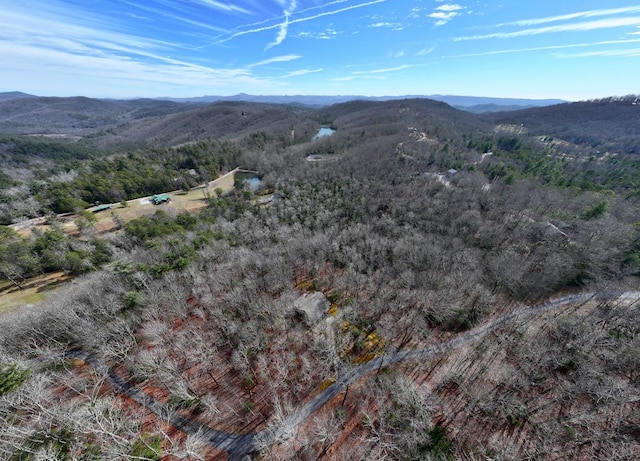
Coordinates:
219 120
14 95
402 113
606 125
75 116
423 283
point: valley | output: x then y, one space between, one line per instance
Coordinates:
478 279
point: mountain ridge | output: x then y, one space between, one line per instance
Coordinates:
316 101
459 101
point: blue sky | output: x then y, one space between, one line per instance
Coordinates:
570 49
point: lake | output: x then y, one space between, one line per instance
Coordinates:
324 131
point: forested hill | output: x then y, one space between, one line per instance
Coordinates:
220 120
142 129
611 124
5 96
413 111
76 116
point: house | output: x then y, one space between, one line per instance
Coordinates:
160 198
99 208
312 307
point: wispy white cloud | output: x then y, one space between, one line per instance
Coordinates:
223 6
415 12
350 78
445 13
377 74
326 34
575 27
389 25
284 26
282 34
172 15
300 20
442 18
426 51
83 55
577 15
382 71
629 53
82 74
450 7
544 48
284 58
260 25
298 73
338 11
54 33
199 24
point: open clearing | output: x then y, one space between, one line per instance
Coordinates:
107 220
34 290
180 201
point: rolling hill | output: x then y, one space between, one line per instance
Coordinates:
476 290
5 96
76 116
610 124
223 120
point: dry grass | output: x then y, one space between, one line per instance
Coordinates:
180 201
37 288
33 291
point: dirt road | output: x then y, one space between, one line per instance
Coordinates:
238 446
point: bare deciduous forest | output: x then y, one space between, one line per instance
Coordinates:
440 240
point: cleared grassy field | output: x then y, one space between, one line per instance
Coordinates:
180 201
36 289
33 291
107 219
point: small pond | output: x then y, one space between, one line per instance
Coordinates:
248 178
324 131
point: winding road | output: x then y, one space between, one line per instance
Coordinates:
238 446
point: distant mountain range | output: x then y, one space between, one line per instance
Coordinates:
15 95
476 104
469 103
610 124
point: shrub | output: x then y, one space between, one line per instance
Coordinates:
11 377
147 447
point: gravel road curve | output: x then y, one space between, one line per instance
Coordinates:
238 446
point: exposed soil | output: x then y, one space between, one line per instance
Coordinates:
473 385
